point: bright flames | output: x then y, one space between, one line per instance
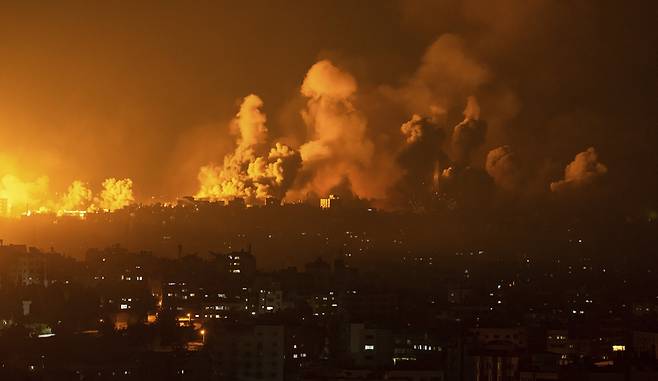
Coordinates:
18 197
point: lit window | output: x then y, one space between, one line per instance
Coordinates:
369 347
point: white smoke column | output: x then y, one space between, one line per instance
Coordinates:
116 194
501 166
250 122
583 170
229 181
245 173
340 148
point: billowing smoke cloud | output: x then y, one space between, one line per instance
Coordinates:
341 152
430 173
421 160
469 134
116 194
339 149
502 167
250 126
413 129
448 74
250 172
583 170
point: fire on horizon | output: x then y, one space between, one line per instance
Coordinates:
456 98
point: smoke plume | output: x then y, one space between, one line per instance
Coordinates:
469 134
250 172
448 73
583 170
413 129
421 160
339 149
502 167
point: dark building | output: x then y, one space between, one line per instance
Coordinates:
248 352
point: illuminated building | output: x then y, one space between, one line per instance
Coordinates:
556 341
332 201
324 303
272 201
269 300
370 347
239 264
199 303
303 344
417 346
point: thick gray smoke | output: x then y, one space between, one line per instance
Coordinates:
421 159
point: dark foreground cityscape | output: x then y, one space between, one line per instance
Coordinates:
350 312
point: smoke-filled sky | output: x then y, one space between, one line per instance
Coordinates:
540 96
